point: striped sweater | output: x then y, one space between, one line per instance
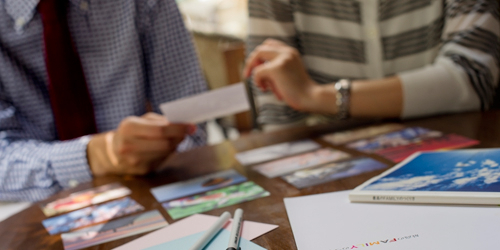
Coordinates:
446 52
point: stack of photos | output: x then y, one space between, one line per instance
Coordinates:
396 144
207 193
86 213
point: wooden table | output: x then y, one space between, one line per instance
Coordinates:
25 230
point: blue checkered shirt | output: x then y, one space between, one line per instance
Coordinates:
132 52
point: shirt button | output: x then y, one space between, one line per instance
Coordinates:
20 22
84 5
73 183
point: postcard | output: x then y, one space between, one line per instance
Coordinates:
343 137
198 185
85 198
449 141
91 215
332 171
293 163
460 177
276 151
113 230
398 145
223 197
208 105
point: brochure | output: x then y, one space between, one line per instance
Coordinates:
469 176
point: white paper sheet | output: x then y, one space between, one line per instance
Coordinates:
329 221
191 225
8 209
216 103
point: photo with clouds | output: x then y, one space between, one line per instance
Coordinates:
459 170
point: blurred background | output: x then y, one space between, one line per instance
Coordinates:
219 29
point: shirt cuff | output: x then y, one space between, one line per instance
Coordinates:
69 162
436 89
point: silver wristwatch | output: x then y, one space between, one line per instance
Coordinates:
343 87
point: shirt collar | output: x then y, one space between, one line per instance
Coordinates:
22 11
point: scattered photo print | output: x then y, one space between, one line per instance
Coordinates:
223 197
113 230
343 137
85 198
91 215
332 171
398 145
293 163
198 185
276 151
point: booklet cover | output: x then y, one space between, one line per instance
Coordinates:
458 177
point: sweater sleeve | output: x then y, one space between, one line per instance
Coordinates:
466 71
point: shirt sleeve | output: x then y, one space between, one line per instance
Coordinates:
31 170
466 72
272 19
171 62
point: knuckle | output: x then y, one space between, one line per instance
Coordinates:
124 147
134 161
126 124
259 48
269 40
158 131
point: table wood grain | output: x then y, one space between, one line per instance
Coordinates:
25 230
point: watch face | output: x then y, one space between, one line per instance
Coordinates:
345 84
342 85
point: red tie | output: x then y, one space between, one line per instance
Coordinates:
69 95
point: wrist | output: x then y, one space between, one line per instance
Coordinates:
97 156
319 96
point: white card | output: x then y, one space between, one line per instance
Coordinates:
205 106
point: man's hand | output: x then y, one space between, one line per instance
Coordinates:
138 145
279 68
